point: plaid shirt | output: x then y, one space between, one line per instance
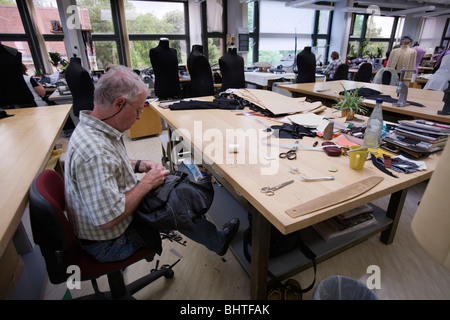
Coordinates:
98 173
332 68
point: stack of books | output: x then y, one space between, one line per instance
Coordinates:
419 136
345 223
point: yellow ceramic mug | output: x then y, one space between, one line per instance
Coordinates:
358 158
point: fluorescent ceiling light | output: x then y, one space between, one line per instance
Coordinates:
386 5
308 4
299 3
412 10
432 14
317 7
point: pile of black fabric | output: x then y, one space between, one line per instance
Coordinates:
217 103
292 131
374 94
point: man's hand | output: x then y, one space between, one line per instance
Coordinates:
154 176
147 165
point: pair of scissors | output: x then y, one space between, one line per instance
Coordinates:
290 155
270 191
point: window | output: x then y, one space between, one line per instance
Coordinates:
48 24
286 31
214 17
445 42
372 36
148 21
101 37
13 33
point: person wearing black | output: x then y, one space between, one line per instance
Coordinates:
14 91
232 68
164 61
306 66
202 83
81 86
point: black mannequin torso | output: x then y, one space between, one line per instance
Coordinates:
202 83
306 66
81 86
232 68
165 66
13 89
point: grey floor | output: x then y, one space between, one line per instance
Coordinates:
407 272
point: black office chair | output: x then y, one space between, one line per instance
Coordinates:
341 72
61 249
364 73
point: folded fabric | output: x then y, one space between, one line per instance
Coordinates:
226 104
289 131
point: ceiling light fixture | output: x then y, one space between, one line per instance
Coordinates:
412 10
432 14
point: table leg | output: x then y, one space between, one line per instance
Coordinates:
394 212
260 256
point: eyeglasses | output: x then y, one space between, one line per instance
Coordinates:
139 111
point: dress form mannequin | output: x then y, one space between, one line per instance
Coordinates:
306 66
202 83
403 57
81 86
164 61
13 89
232 68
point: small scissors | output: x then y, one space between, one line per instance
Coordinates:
290 155
270 191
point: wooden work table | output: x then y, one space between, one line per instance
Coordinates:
27 141
209 132
432 100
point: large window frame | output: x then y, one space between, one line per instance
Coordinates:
254 34
31 34
445 41
362 38
214 35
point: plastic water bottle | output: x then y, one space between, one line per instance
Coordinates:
372 135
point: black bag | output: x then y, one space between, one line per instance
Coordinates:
176 204
281 244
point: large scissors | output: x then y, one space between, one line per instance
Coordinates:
270 191
291 154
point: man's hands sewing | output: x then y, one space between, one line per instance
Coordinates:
155 174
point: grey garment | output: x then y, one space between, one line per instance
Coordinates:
440 79
379 76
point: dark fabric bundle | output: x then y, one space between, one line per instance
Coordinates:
176 204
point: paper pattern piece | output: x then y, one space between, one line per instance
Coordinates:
277 103
335 197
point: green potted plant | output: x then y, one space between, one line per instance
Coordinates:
55 58
350 104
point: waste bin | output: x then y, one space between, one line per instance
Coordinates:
342 288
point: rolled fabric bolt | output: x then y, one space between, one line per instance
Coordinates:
233 148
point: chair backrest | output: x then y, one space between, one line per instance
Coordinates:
50 227
386 76
341 72
364 73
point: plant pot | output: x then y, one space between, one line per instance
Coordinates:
347 114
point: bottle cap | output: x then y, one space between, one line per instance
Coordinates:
379 101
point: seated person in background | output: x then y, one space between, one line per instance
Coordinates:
35 87
102 190
331 68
